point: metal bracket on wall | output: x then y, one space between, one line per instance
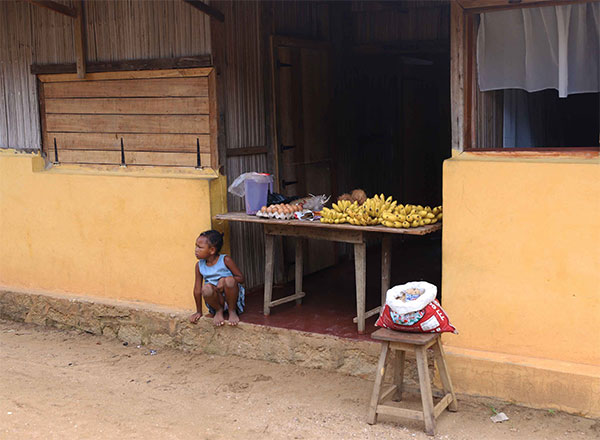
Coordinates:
122 154
56 162
198 161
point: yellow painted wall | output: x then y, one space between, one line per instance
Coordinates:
123 234
521 275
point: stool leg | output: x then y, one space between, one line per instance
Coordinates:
372 414
425 386
399 373
440 359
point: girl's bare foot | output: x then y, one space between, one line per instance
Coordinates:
219 319
234 319
195 317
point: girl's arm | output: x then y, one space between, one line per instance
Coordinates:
198 289
237 273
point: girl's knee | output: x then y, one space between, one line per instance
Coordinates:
230 282
207 291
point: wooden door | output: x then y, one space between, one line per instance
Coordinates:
302 132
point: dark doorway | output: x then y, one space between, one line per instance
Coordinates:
352 115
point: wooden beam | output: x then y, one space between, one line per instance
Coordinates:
405 47
478 6
457 74
203 7
79 36
118 66
245 151
53 6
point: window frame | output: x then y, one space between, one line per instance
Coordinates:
464 71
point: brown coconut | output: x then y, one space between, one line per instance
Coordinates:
359 196
345 196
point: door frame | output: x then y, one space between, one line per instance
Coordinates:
293 42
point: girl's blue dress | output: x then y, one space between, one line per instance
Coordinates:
212 275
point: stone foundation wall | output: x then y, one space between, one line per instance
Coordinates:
155 326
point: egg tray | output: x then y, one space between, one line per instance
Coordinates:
276 215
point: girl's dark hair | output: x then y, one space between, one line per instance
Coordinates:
215 238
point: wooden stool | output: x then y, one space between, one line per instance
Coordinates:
401 342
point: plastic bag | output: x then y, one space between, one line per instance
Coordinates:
315 203
239 189
412 307
276 198
394 297
432 319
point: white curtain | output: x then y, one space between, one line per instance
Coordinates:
540 48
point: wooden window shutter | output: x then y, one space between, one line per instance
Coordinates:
150 118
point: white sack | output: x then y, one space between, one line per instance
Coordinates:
401 307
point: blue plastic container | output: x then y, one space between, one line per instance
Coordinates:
256 192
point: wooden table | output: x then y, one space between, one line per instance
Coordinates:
345 233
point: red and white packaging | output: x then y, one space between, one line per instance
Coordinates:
434 320
423 315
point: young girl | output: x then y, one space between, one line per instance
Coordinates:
223 288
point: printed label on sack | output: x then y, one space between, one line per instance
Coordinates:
430 324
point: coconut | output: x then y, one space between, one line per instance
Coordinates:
345 196
359 196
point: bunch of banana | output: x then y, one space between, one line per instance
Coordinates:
411 216
381 210
339 212
370 213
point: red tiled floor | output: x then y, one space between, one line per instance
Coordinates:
330 301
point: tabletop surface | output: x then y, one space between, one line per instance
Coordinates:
243 217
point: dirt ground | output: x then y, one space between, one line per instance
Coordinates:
72 385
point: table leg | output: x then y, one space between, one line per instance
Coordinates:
299 268
268 295
386 265
360 268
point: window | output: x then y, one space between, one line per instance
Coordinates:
151 118
532 77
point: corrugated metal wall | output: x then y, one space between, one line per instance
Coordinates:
238 53
116 30
423 20
242 56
